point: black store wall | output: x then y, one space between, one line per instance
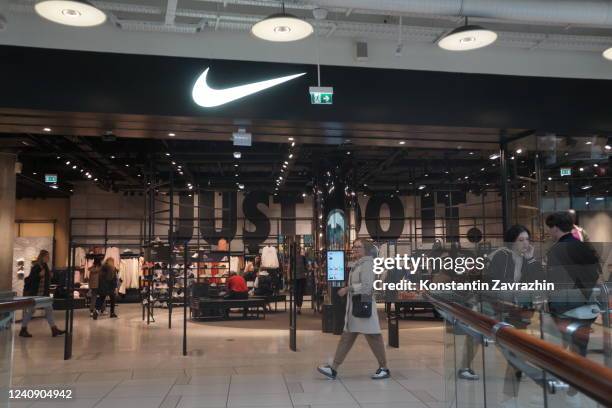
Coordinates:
139 84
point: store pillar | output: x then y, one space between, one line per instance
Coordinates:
7 217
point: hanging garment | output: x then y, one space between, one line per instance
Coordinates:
129 272
80 258
112 252
269 258
234 264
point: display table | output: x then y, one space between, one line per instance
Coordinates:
275 299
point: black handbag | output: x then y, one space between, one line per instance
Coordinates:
362 306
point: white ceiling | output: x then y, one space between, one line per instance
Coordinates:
220 29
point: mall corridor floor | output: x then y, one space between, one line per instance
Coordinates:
122 362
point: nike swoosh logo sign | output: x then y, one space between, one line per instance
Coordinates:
209 97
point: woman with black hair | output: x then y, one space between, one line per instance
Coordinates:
512 262
37 284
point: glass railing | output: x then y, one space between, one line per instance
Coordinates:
8 306
510 350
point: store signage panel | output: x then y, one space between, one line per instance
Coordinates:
321 95
565 171
335 266
242 138
51 178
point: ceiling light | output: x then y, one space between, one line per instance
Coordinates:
47 129
467 37
53 186
599 199
607 54
282 27
112 157
291 156
588 142
290 139
402 142
608 147
471 153
286 163
482 169
587 187
127 165
348 153
74 167
237 155
95 179
582 169
67 163
235 165
519 151
596 165
75 13
303 194
171 134
494 156
168 154
174 163
241 186
549 178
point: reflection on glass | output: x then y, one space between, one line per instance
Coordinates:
336 228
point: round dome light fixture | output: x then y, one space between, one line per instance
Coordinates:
73 13
467 37
282 27
607 54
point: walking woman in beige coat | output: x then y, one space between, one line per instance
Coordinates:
360 282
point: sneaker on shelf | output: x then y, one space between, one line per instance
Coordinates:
381 373
468 374
327 371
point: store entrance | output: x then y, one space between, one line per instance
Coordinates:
181 217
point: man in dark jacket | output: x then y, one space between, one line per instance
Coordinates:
573 266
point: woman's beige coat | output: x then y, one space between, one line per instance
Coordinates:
360 282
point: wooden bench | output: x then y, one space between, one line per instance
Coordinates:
204 308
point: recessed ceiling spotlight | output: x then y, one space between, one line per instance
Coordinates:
303 194
237 155
422 187
348 153
54 186
68 163
291 156
112 157
471 153
519 151
588 142
241 186
494 156
599 199
582 169
467 37
127 165
171 134
595 165
607 54
549 178
586 187
74 167
482 169
168 154
47 129
607 147
96 179
292 144
282 27
74 13
402 142
290 139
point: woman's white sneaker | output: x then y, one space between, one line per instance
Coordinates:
327 371
381 373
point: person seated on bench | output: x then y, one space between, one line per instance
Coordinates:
236 287
263 284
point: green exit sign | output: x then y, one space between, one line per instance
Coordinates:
565 171
51 178
321 95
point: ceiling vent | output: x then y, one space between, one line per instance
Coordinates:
361 51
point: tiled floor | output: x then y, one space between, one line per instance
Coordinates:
124 362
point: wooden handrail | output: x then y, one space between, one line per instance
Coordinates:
589 377
11 305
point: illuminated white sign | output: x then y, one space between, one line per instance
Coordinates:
208 97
